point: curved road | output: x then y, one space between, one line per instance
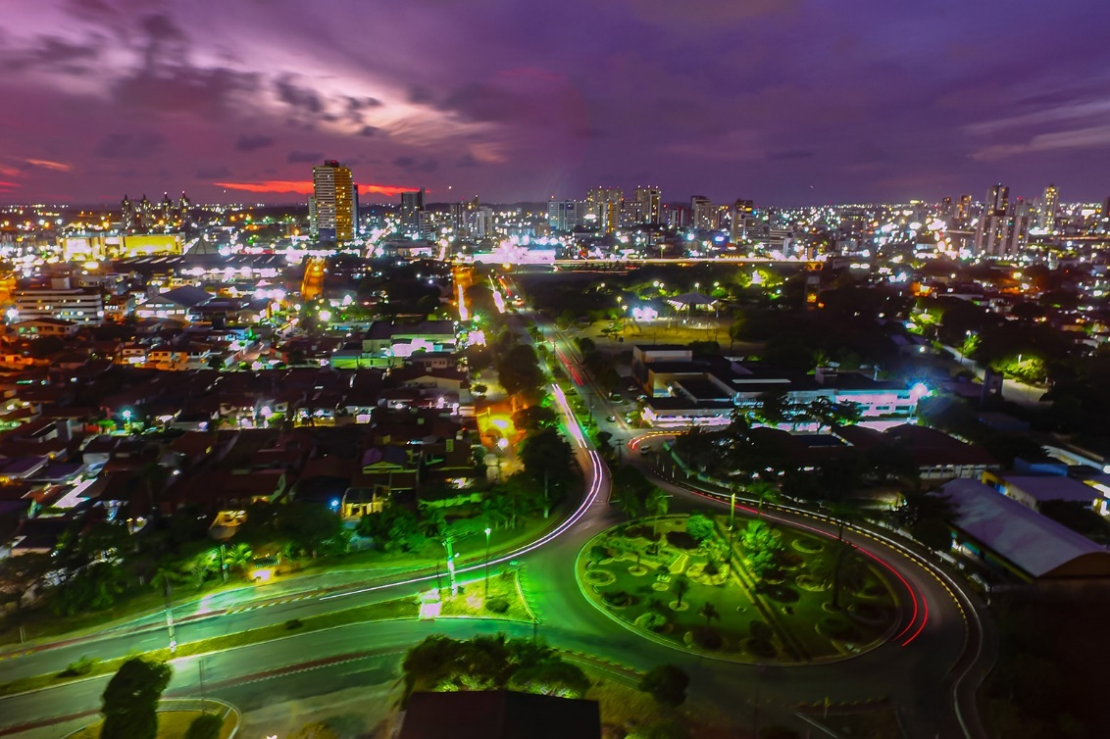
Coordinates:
915 670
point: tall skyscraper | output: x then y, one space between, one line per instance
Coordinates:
412 205
565 215
998 200
605 205
1050 204
1003 228
649 199
1106 216
704 213
963 211
741 212
334 192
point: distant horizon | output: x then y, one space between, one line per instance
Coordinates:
790 102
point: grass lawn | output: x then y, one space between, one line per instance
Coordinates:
171 725
504 590
41 623
788 618
627 711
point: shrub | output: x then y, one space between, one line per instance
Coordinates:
654 621
711 569
79 667
497 605
760 631
293 624
666 684
205 726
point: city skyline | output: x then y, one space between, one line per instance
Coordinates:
785 103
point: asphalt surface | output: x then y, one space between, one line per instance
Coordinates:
915 671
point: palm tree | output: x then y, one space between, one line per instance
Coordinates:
708 611
628 502
657 504
763 491
681 588
823 411
843 514
239 557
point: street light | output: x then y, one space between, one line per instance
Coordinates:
486 596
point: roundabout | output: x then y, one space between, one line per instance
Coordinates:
706 597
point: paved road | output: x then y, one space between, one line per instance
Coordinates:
913 670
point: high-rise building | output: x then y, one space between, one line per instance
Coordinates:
741 212
605 205
412 205
963 211
333 190
1106 216
127 215
704 213
998 200
1050 205
566 215
649 199
1003 235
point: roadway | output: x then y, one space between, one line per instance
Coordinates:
914 672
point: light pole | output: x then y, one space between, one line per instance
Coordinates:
447 544
486 596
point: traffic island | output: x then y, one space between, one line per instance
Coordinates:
750 594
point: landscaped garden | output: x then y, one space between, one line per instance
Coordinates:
780 594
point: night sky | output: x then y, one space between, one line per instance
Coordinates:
788 102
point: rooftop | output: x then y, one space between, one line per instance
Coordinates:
1035 544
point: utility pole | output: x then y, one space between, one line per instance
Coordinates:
169 617
486 596
448 545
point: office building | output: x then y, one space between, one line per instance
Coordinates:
998 200
566 215
963 212
59 302
1050 205
740 214
704 213
412 205
334 195
1106 216
649 199
605 207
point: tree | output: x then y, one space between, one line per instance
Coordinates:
130 702
657 504
772 407
628 501
238 557
709 612
552 677
666 684
518 370
19 575
548 460
205 726
763 491
681 588
306 526
763 545
536 417
699 527
216 362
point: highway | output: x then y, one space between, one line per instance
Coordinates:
915 670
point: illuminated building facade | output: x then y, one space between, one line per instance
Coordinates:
334 198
